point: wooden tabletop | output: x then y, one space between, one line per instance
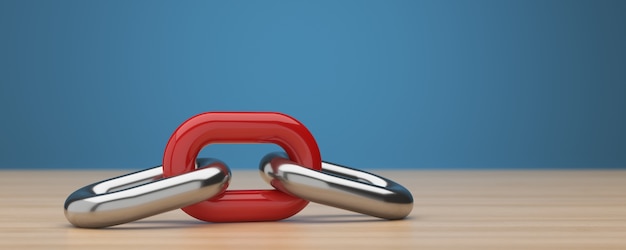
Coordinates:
453 210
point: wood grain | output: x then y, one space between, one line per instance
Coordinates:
453 210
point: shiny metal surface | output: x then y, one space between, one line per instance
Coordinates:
144 193
338 186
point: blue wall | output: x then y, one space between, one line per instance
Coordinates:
402 84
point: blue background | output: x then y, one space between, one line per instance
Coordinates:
380 84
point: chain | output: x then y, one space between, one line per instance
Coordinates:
298 176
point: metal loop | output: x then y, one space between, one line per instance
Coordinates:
144 193
338 186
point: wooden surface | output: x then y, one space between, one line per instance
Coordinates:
453 210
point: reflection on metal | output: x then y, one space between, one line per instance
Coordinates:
338 186
144 193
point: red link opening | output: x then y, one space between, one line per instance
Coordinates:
241 127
